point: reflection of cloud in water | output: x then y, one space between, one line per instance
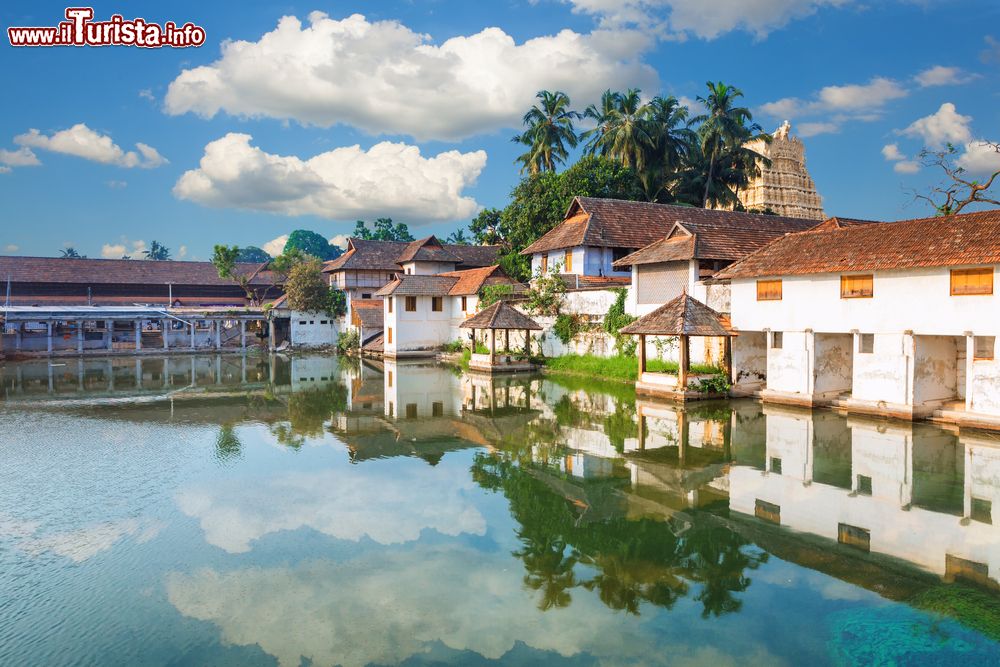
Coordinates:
80 544
376 500
389 606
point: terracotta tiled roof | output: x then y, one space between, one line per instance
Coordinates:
470 281
628 224
840 223
500 315
418 286
966 239
603 281
684 315
367 313
427 250
385 255
728 237
376 344
120 271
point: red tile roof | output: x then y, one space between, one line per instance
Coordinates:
120 271
418 285
966 239
427 250
452 283
385 255
618 223
500 315
471 281
683 315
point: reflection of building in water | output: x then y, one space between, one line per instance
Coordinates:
910 491
418 389
313 372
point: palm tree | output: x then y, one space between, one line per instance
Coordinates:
622 132
671 141
71 253
549 131
157 251
723 128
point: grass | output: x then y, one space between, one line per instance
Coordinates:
621 369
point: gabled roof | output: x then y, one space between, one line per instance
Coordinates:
417 285
618 223
956 240
728 237
470 281
427 250
386 255
122 271
685 315
500 315
367 313
452 283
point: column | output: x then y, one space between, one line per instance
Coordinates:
138 373
684 363
111 376
48 335
192 336
51 379
493 346
527 342
109 326
506 341
193 378
217 329
270 334
79 337
79 374
642 355
138 335
243 369
165 331
17 337
243 334
727 358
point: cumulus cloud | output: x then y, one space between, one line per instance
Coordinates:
275 247
942 127
369 502
22 157
123 247
81 141
814 129
940 75
836 105
980 158
902 163
11 247
385 78
340 240
391 179
703 19
81 544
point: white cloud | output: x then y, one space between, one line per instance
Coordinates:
903 164
384 78
116 185
275 247
147 94
940 75
391 179
22 157
11 247
980 158
4 169
364 503
80 544
703 19
814 129
340 240
944 126
847 100
182 252
123 247
81 141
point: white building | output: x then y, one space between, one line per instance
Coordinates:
894 319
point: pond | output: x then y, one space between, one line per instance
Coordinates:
327 511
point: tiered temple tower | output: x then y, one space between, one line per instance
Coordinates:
785 187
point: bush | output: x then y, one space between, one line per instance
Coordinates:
717 384
566 327
544 296
348 340
617 318
490 294
453 346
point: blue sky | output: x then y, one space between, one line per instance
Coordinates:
408 108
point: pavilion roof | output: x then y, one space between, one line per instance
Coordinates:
685 316
500 315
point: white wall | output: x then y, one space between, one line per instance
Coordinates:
421 331
427 268
587 261
313 329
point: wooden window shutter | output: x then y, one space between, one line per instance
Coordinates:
857 287
971 281
769 290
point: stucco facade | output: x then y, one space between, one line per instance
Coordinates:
584 261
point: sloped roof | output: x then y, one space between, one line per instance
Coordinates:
500 315
470 281
427 250
122 271
367 313
956 240
618 223
726 238
418 285
386 255
685 315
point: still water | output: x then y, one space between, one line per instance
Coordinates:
322 511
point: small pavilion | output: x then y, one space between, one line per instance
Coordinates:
683 318
501 316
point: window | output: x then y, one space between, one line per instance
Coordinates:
769 290
569 261
389 377
437 408
302 323
775 465
389 300
323 322
864 485
411 304
971 281
857 287
984 348
407 272
366 295
391 406
777 340
767 511
389 339
866 343
437 304
620 253
465 304
411 410
545 262
852 536
982 510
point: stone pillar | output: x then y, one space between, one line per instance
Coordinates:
218 368
642 355
217 330
79 337
165 332
270 334
527 342
111 376
506 341
109 326
138 335
17 337
243 334
48 336
493 346
166 372
684 363
192 337
193 378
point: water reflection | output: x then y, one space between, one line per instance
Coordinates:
287 502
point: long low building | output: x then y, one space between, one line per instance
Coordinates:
895 319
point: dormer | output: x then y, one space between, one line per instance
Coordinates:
426 257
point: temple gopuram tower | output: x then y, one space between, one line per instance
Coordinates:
786 188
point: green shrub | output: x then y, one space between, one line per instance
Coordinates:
566 327
490 294
544 296
616 319
717 384
348 340
453 346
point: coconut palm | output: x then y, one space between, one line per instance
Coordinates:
549 132
157 251
723 128
671 141
622 131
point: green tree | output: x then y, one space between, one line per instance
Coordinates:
70 253
307 288
457 237
311 243
622 131
486 227
157 251
251 254
670 143
549 131
226 259
383 229
723 132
